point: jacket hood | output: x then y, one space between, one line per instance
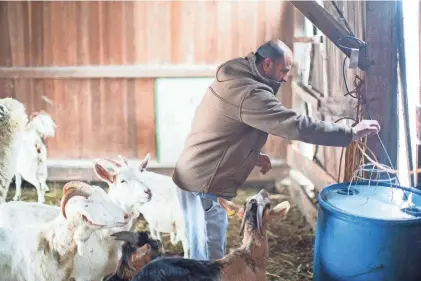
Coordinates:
241 68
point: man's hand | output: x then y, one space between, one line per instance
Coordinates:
264 162
364 128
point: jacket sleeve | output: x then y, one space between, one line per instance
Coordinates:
262 110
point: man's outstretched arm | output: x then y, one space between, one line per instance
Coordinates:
262 110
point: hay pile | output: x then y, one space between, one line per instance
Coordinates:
290 240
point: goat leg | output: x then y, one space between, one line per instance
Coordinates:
18 187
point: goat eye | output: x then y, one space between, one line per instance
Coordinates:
122 181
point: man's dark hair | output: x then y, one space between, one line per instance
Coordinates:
273 49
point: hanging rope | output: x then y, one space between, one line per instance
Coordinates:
353 156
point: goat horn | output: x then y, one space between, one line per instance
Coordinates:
126 236
259 215
243 222
112 161
33 115
72 189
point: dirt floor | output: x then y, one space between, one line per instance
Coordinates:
290 240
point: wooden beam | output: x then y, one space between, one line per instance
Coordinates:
381 85
109 71
66 170
313 172
330 27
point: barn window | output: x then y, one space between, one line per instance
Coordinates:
175 102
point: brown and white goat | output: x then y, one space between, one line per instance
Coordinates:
247 263
138 250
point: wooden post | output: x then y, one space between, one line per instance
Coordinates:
381 77
418 112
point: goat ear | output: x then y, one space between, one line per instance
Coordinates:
104 174
145 162
230 207
279 210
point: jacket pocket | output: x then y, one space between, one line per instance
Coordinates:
241 173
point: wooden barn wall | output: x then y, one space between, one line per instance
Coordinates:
105 116
326 78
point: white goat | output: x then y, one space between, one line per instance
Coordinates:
47 251
164 197
32 159
13 119
102 251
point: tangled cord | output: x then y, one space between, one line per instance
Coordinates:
356 151
352 151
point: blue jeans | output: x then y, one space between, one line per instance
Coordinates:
206 224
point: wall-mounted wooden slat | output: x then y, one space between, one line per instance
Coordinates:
109 71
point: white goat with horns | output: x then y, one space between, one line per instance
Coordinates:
47 251
102 252
32 158
165 197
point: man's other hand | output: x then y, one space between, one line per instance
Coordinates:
364 128
264 162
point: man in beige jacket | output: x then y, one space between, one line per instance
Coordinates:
229 129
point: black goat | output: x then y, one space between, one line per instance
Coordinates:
137 250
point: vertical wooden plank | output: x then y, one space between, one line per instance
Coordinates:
247 27
63 31
7 44
49 89
96 53
139 26
114 33
235 34
7 88
224 30
176 41
145 117
18 36
131 54
86 139
381 82
212 36
261 23
200 34
6 27
182 31
37 46
157 21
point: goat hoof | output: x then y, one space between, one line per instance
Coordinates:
16 198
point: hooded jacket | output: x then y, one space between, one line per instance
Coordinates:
231 125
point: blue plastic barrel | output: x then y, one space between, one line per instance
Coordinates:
368 233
